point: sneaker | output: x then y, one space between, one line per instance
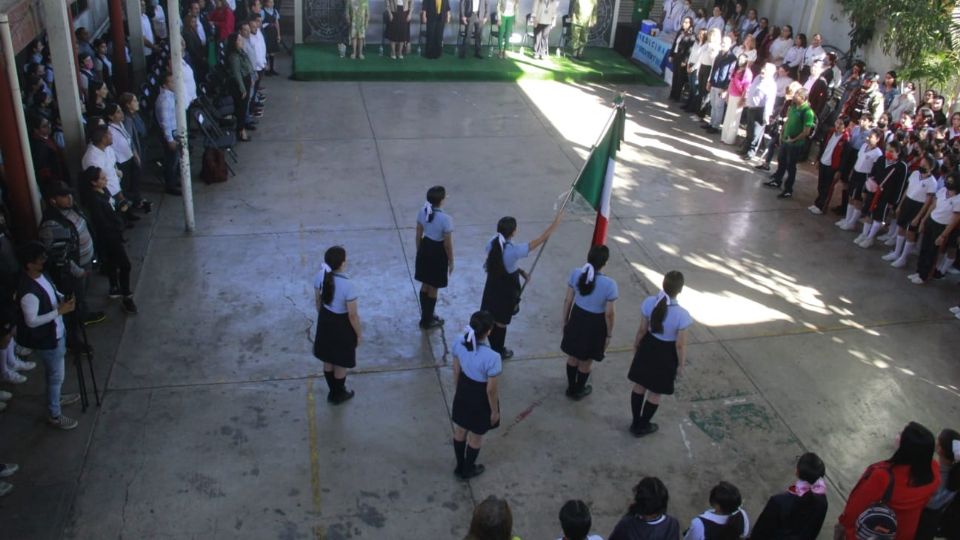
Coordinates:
772 184
840 223
814 210
899 263
4 396
762 167
859 239
5 488
916 281
892 241
14 377
128 306
866 243
62 422
7 469
953 270
847 226
890 257
913 276
644 431
94 317
20 365
472 472
69 399
114 292
955 310
785 195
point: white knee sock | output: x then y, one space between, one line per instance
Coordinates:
874 229
946 263
901 240
854 217
907 249
866 229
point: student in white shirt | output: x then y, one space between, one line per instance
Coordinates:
921 188
940 230
780 46
868 154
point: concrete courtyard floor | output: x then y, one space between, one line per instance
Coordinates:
215 423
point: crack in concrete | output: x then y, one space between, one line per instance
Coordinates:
139 468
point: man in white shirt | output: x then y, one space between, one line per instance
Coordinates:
758 104
716 21
259 45
166 110
813 53
100 154
149 41
41 328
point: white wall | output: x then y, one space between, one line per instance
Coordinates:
825 17
96 19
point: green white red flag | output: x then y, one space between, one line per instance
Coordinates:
596 181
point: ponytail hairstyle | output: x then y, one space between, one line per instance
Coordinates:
726 498
650 498
596 260
505 229
672 285
916 449
435 196
949 442
481 322
333 259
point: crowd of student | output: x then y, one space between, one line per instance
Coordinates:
911 496
893 157
44 285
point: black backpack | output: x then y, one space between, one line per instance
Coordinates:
879 521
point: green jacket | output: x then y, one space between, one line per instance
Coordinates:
239 67
583 12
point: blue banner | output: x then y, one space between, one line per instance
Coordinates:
651 52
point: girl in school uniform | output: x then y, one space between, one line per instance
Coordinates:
725 519
476 405
869 153
921 187
660 352
647 517
940 228
799 512
883 188
434 254
501 292
338 323
588 318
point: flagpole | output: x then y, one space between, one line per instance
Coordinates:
603 132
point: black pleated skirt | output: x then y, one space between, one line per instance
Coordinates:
655 364
501 296
471 408
585 335
398 29
336 341
432 263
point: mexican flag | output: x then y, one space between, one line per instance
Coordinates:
596 180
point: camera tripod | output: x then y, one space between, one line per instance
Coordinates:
81 345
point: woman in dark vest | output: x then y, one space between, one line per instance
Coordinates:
338 323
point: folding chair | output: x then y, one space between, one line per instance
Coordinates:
494 35
462 32
421 38
527 33
224 142
566 31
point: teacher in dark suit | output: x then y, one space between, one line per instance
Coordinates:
473 15
435 14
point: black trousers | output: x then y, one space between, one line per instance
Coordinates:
116 264
679 79
756 121
434 48
825 176
927 260
475 25
787 163
171 167
130 183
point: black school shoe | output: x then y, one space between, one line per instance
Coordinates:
337 399
436 322
472 472
586 391
644 431
506 354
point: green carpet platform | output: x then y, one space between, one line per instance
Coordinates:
321 62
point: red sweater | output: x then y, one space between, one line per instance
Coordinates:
223 19
907 501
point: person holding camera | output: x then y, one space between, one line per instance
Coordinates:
40 327
108 230
65 234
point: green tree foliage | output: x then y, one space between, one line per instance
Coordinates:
923 34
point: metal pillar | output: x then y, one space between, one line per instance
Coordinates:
137 57
18 163
120 76
176 67
297 22
60 35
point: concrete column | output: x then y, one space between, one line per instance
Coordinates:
137 57
21 182
118 36
60 36
297 22
176 67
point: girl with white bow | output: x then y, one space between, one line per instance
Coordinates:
501 292
338 323
800 511
660 351
434 254
588 317
476 403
